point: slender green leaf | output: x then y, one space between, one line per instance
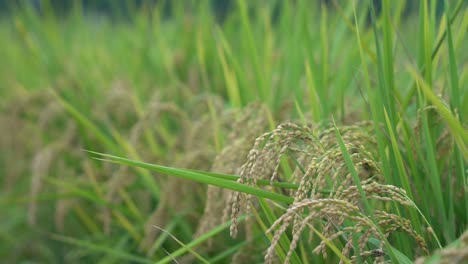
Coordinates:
193 176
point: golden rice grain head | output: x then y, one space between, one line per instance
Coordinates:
316 208
391 223
40 166
243 127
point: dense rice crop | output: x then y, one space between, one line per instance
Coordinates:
280 132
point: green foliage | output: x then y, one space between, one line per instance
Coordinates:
183 88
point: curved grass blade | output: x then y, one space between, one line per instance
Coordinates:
197 241
184 246
198 177
100 248
230 177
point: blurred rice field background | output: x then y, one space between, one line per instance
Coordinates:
233 131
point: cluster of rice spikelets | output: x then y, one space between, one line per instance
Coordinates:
21 140
327 199
329 215
137 124
44 135
252 121
31 117
198 150
191 148
241 128
314 152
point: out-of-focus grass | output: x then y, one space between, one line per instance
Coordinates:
166 85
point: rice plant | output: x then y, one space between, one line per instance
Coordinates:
276 132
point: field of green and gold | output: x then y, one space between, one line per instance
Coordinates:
273 132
